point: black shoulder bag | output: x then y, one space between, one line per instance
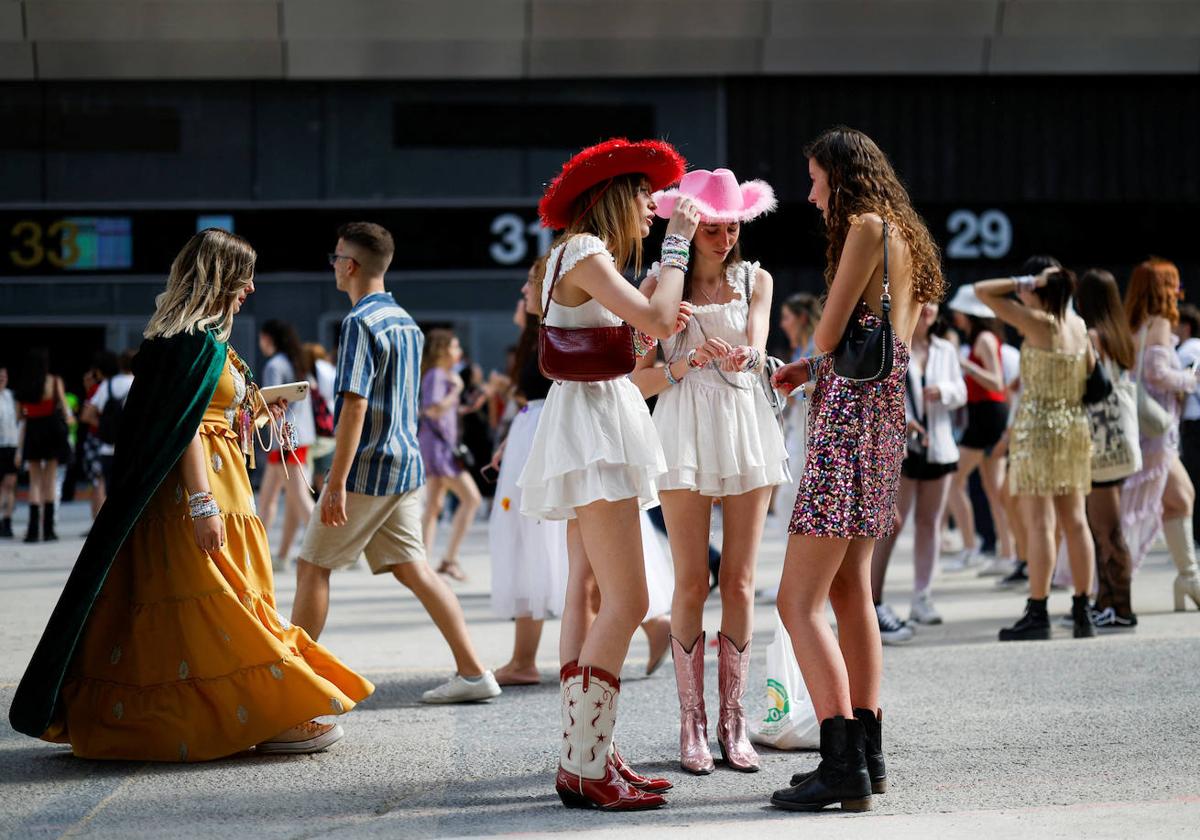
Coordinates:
865 354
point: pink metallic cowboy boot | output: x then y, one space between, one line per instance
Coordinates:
694 756
733 671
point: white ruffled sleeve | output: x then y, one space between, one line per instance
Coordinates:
580 248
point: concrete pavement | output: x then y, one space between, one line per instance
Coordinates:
1070 738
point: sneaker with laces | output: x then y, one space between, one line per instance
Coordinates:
961 561
997 567
459 689
1108 620
892 631
922 610
308 737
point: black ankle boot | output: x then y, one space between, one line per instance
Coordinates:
48 522
34 533
6 527
873 734
1034 625
1081 616
840 777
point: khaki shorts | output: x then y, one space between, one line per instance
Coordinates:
387 529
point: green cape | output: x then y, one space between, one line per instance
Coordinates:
174 381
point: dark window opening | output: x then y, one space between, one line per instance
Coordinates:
548 125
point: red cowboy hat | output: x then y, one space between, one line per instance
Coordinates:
656 159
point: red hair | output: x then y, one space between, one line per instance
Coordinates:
1153 291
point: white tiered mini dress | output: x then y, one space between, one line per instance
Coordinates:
719 439
595 440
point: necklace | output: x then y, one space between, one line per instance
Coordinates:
706 294
243 424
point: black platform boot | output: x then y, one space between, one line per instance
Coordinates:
1033 625
48 534
1081 617
873 733
34 532
841 777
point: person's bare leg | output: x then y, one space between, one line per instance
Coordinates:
579 610
930 503
1081 551
1037 512
992 471
809 567
960 501
469 499
268 495
613 540
298 508
881 556
311 606
688 517
8 496
435 493
858 627
743 518
443 607
522 668
36 483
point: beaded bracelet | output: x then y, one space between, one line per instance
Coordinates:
671 380
1025 282
202 506
677 240
691 360
752 361
643 343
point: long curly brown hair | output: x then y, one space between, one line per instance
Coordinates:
1153 290
862 180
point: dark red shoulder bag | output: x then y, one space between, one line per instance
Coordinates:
584 354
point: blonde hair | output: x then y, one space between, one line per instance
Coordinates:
609 211
206 277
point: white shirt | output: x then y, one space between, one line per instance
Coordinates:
942 369
8 419
278 371
1189 353
119 385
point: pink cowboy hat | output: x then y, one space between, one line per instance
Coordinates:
718 196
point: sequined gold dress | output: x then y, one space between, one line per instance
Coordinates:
184 656
1050 453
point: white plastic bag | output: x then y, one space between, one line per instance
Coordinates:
789 722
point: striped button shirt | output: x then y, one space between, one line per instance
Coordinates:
379 358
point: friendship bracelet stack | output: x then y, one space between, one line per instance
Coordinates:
202 506
643 343
676 251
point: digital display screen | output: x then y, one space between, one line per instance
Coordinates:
101 243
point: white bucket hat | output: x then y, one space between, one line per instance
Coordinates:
967 302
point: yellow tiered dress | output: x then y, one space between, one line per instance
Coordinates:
184 656
1050 453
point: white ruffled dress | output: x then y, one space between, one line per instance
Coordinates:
719 439
595 440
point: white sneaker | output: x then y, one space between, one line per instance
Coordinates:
998 567
960 561
951 542
892 631
922 611
460 690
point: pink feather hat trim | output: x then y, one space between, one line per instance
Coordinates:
718 196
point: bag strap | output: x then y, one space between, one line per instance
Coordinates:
562 252
912 395
885 299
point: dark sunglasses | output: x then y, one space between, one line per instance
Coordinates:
333 258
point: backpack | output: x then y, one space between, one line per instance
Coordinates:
322 416
110 417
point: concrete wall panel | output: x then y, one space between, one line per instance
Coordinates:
1095 55
667 19
645 57
244 20
1118 18
401 20
874 55
405 59
160 60
858 18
